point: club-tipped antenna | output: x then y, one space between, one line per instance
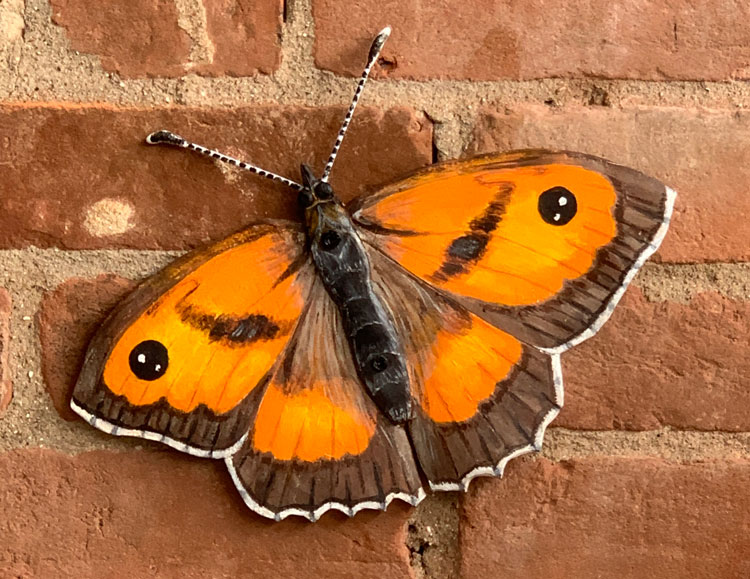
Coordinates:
168 138
375 48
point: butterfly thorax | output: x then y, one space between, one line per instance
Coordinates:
344 270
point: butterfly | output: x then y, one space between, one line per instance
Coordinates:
411 337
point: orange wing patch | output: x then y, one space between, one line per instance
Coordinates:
463 369
315 406
308 426
477 229
222 327
455 358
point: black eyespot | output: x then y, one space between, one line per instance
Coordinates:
557 206
149 360
330 240
378 364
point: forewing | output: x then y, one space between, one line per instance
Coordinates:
483 397
180 356
317 441
489 231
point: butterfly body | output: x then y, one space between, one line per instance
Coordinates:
343 267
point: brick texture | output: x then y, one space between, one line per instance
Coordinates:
68 318
112 190
76 174
242 37
6 387
154 44
497 39
658 364
703 155
160 514
609 518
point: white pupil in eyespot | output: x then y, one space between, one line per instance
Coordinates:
562 201
556 217
142 358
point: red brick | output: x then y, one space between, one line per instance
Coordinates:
134 38
703 155
6 387
496 39
658 364
67 167
609 518
68 318
245 37
160 514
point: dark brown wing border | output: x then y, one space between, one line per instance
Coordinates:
537 436
556 325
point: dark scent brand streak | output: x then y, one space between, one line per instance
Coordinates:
293 268
344 269
244 330
380 229
469 248
230 330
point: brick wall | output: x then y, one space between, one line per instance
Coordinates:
647 471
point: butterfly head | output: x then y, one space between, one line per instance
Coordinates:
314 190
318 201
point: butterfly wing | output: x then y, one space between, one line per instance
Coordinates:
482 395
541 244
509 261
178 360
317 441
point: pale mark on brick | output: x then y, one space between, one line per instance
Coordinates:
109 217
192 18
231 173
11 22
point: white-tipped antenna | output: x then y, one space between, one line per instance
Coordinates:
375 48
168 138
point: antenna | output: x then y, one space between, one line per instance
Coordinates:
375 48
168 138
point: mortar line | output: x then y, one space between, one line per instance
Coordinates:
297 37
666 443
731 279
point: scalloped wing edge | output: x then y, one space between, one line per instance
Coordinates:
314 514
113 429
499 468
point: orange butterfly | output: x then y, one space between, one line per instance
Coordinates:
414 335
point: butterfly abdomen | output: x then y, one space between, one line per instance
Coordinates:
344 269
